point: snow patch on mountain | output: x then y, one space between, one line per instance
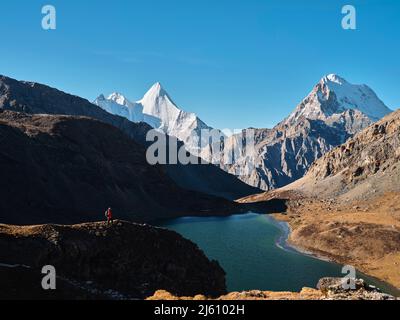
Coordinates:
334 95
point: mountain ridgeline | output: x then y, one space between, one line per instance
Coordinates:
68 169
333 112
366 166
34 98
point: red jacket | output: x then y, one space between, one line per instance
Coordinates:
109 214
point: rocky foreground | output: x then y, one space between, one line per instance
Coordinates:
93 260
327 289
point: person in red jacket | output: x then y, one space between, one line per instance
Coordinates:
109 216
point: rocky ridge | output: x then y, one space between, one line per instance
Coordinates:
64 169
366 165
333 112
35 98
130 259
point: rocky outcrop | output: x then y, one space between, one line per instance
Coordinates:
334 289
304 294
63 169
24 283
327 289
284 154
35 98
130 259
366 165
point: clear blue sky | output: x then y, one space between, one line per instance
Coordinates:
235 63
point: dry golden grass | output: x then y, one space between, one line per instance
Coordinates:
305 294
364 234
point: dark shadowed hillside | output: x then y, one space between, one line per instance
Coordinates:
63 169
146 259
36 98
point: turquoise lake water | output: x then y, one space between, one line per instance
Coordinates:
251 249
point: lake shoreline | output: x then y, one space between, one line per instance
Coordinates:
284 243
255 262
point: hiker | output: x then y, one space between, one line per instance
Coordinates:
109 216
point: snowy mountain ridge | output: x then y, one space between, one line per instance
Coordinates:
334 111
334 95
157 109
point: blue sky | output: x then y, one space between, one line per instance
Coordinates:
235 63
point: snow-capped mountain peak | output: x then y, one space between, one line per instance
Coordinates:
156 102
121 100
334 95
156 89
158 110
333 78
117 97
155 92
100 98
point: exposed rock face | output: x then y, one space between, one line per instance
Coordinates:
34 98
333 289
63 169
305 294
366 165
134 260
284 154
333 112
328 289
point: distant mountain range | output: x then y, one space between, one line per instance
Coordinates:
333 112
34 98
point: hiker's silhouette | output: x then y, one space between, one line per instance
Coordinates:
109 216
